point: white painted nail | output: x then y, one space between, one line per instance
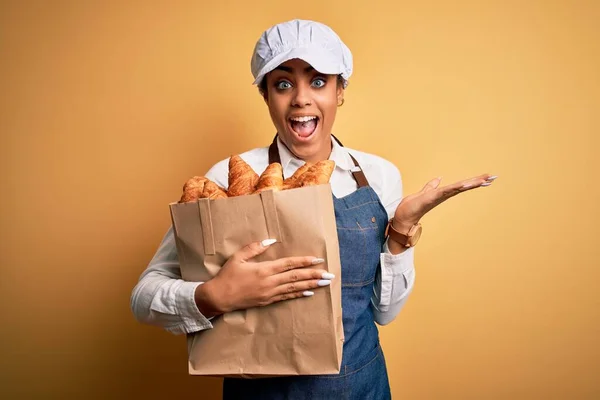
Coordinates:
486 184
324 282
327 275
308 293
268 242
317 261
491 178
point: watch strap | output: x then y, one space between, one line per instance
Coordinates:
401 238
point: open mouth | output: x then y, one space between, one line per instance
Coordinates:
304 126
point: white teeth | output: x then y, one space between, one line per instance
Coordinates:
303 119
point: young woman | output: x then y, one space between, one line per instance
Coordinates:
302 69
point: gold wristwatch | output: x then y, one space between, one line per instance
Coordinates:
409 239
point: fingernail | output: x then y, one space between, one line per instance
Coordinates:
324 282
491 178
327 275
268 242
317 261
486 184
308 293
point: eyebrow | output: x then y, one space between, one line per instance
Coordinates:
288 69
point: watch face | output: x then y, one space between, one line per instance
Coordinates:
415 237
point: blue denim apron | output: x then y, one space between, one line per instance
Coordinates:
361 221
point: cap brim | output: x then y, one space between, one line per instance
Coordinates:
320 60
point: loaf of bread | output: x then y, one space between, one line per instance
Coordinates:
244 181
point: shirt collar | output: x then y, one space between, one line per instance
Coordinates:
339 155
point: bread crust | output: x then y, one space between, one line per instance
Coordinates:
317 174
270 179
243 180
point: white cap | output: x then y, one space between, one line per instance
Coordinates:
313 42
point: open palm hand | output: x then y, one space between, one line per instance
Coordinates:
413 207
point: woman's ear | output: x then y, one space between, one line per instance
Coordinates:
340 95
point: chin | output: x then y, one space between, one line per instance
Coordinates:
307 150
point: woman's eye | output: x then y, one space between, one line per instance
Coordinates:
283 85
319 82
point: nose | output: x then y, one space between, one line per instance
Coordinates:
301 97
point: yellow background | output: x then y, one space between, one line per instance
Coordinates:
108 107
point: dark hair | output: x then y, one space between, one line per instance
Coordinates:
262 86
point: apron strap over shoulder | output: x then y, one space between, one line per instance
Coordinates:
357 172
274 152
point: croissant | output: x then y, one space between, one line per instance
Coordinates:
213 191
271 179
193 188
292 181
242 178
317 174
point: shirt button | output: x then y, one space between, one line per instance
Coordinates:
373 219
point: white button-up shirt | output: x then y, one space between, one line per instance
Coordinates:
162 298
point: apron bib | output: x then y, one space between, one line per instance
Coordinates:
361 220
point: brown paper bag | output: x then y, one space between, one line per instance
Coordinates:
295 337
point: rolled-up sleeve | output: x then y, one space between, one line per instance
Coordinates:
395 278
393 284
162 298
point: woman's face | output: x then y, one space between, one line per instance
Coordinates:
303 103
